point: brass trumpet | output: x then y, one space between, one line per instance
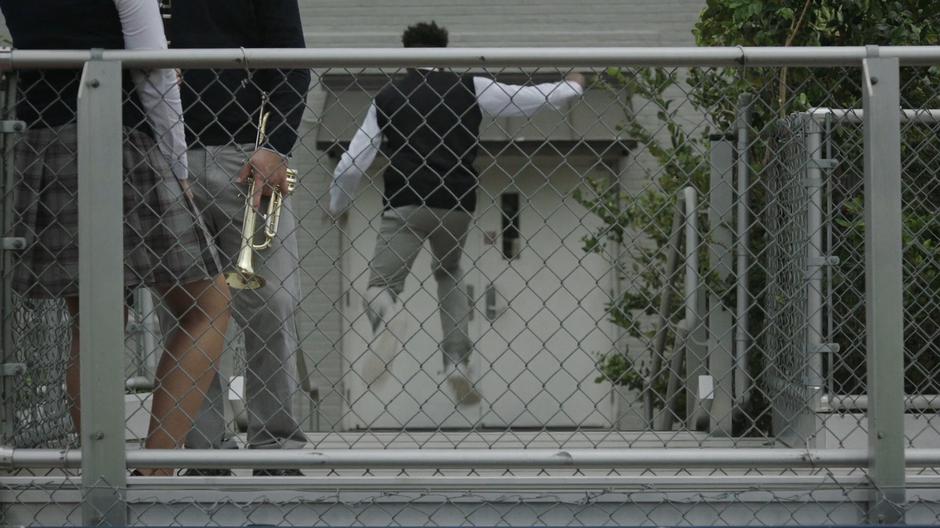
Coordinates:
244 276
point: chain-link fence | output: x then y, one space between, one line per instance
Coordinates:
506 291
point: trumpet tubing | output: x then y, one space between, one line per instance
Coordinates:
244 277
272 218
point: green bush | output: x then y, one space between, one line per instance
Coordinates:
681 153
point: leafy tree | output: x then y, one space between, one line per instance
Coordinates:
681 154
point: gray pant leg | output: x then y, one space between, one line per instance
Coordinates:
271 342
447 243
403 231
396 248
266 315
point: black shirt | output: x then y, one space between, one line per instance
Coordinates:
220 106
430 120
48 98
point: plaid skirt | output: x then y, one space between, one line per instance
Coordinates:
165 241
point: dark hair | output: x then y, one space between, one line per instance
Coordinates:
425 35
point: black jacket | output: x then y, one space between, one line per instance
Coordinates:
220 106
48 98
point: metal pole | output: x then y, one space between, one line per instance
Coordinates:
101 293
470 57
737 457
813 375
742 250
846 488
695 345
7 184
857 115
829 306
721 361
884 308
859 402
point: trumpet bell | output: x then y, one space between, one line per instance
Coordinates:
243 276
241 280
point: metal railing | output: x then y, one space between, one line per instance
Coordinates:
440 445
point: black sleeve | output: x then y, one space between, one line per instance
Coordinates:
280 27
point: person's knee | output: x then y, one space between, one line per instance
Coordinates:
199 303
448 269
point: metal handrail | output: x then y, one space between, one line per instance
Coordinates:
857 115
859 402
641 458
468 57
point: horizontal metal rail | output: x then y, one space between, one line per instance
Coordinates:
859 402
296 486
473 458
470 57
857 115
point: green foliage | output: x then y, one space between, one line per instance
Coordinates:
920 265
825 23
681 151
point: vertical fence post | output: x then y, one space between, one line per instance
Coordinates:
884 315
101 291
742 252
812 354
7 181
720 265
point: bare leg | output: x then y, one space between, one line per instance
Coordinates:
190 362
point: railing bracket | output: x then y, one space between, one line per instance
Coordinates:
12 369
822 164
8 126
12 243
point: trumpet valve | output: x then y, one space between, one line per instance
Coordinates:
291 180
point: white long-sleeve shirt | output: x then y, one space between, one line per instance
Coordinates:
495 100
159 94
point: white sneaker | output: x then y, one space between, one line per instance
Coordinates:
462 380
388 329
382 351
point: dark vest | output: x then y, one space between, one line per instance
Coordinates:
48 98
431 124
220 105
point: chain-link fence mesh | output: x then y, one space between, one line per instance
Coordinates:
42 333
845 225
590 299
788 236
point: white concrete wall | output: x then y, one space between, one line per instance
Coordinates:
367 23
360 23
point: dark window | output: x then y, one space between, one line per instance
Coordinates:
512 239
